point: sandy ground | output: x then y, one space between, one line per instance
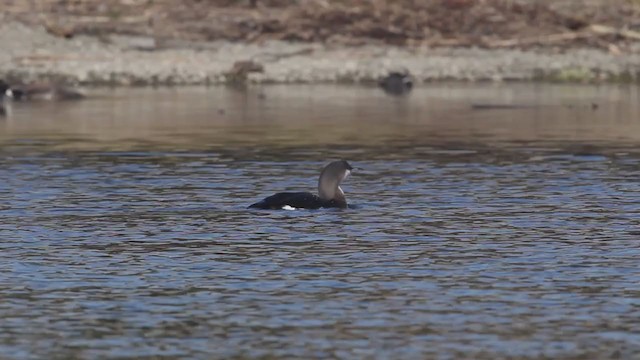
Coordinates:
32 53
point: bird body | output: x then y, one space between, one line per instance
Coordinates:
330 195
43 91
397 83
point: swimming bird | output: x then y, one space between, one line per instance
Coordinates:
3 88
330 195
397 82
43 91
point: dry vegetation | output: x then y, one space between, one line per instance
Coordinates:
611 24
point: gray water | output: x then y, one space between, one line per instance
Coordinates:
478 234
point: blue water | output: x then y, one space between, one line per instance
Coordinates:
124 231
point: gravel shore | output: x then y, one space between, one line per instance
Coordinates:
30 53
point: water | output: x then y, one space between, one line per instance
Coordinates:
478 234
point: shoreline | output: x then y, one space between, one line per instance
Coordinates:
31 54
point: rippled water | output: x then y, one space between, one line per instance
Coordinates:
477 233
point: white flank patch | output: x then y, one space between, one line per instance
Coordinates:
287 207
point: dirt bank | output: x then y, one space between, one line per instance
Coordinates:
481 23
216 41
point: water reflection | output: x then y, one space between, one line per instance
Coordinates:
197 118
492 234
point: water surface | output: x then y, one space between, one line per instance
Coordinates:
478 234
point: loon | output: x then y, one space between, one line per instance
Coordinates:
42 91
3 88
397 83
330 195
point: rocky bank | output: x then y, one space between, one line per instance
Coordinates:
31 53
